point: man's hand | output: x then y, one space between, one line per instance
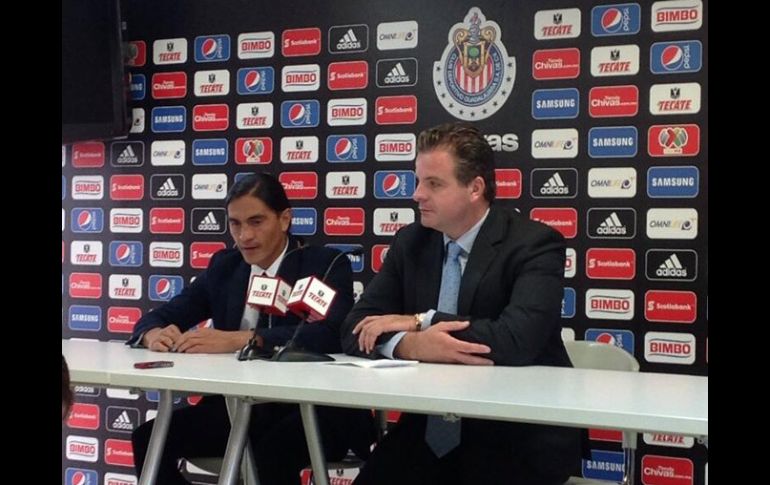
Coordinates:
162 339
436 345
373 326
211 341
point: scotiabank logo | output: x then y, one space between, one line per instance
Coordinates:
395 110
344 221
673 140
88 154
300 185
670 306
379 252
301 42
202 252
126 187
85 285
666 470
122 319
118 452
611 263
253 150
613 101
556 64
84 416
211 117
508 183
563 219
348 75
167 220
169 85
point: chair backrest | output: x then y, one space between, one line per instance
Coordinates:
597 355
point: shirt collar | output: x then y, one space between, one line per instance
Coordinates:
469 237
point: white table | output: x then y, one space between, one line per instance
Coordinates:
537 394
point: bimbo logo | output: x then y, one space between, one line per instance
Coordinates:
82 448
669 347
395 147
676 15
610 304
256 45
304 77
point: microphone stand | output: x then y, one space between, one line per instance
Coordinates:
290 352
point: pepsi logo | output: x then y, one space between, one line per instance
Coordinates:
672 57
612 20
79 478
391 184
85 220
343 148
163 287
123 253
297 113
209 48
252 80
606 338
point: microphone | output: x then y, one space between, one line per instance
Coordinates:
269 294
310 297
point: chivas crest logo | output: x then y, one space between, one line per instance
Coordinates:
475 76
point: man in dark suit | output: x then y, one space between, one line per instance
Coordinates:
259 217
505 310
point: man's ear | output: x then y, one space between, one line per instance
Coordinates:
477 187
285 219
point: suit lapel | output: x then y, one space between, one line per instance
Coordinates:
236 295
482 255
428 282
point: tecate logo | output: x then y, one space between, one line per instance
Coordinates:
557 24
251 116
169 51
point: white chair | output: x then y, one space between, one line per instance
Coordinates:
596 355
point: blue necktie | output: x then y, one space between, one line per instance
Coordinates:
441 435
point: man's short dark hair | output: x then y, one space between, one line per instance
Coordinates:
262 186
474 155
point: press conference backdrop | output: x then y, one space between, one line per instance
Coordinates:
597 114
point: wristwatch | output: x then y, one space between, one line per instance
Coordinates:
418 319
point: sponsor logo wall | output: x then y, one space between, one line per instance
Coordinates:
596 112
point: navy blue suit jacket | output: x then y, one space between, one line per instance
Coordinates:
220 293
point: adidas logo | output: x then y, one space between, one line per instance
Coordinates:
123 422
209 223
672 267
127 156
612 226
397 75
168 189
554 186
349 41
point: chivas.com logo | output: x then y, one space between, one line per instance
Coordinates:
475 76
